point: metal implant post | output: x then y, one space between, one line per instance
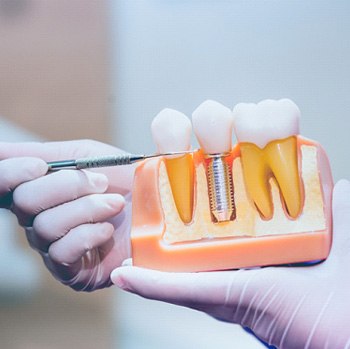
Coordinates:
220 188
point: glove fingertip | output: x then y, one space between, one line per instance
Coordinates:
127 262
118 279
120 200
341 185
35 167
341 193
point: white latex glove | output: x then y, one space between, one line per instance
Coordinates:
288 307
77 220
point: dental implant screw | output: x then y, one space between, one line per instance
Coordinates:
220 188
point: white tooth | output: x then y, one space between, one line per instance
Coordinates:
266 121
171 131
212 124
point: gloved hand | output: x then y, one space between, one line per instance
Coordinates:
288 307
77 220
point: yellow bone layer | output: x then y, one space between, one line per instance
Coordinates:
278 159
180 173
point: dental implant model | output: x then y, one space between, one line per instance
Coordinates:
212 124
264 201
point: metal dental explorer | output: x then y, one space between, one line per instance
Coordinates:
104 161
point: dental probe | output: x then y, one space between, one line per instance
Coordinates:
104 161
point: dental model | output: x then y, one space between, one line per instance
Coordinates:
266 201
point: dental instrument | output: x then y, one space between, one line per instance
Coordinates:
105 161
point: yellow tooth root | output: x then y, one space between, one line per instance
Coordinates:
256 173
180 173
279 159
282 156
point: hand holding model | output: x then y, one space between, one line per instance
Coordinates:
288 307
77 220
80 224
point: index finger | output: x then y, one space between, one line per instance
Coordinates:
16 171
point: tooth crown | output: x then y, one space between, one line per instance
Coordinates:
266 121
212 124
171 131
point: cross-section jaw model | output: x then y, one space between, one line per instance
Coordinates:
265 201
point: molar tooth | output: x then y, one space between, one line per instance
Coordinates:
266 132
171 131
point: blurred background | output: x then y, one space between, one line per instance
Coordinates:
102 69
54 85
